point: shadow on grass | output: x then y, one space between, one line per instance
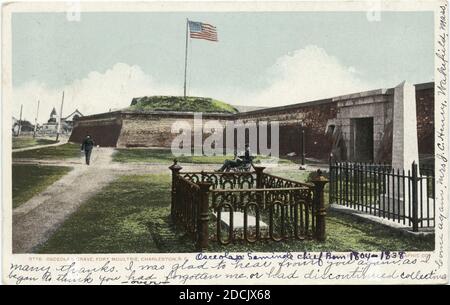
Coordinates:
165 156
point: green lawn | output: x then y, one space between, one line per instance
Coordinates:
165 156
22 142
65 151
117 220
299 175
131 215
29 180
303 175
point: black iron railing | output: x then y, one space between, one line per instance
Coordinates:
246 207
403 196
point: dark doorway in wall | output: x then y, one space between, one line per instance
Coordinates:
361 141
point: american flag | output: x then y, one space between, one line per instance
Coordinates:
201 30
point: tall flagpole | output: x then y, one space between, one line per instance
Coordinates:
185 56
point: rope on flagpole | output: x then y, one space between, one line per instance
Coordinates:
190 70
185 56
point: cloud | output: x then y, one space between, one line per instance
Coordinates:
305 75
96 93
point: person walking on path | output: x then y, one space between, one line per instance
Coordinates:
87 146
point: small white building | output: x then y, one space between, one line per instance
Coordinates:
51 127
68 120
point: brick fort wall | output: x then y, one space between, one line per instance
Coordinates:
127 129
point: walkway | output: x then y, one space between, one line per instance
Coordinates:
35 220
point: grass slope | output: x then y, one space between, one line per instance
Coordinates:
131 215
178 103
30 180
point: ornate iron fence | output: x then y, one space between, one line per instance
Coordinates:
246 207
403 196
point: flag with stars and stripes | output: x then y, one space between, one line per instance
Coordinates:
200 30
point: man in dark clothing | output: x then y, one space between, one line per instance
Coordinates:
87 146
229 164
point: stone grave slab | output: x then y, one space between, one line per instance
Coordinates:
238 220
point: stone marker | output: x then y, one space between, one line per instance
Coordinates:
238 220
404 141
405 150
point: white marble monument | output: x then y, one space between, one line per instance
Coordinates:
405 149
405 152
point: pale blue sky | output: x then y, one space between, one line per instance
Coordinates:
49 49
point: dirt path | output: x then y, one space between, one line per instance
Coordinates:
35 220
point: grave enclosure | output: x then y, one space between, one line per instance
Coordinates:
246 207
